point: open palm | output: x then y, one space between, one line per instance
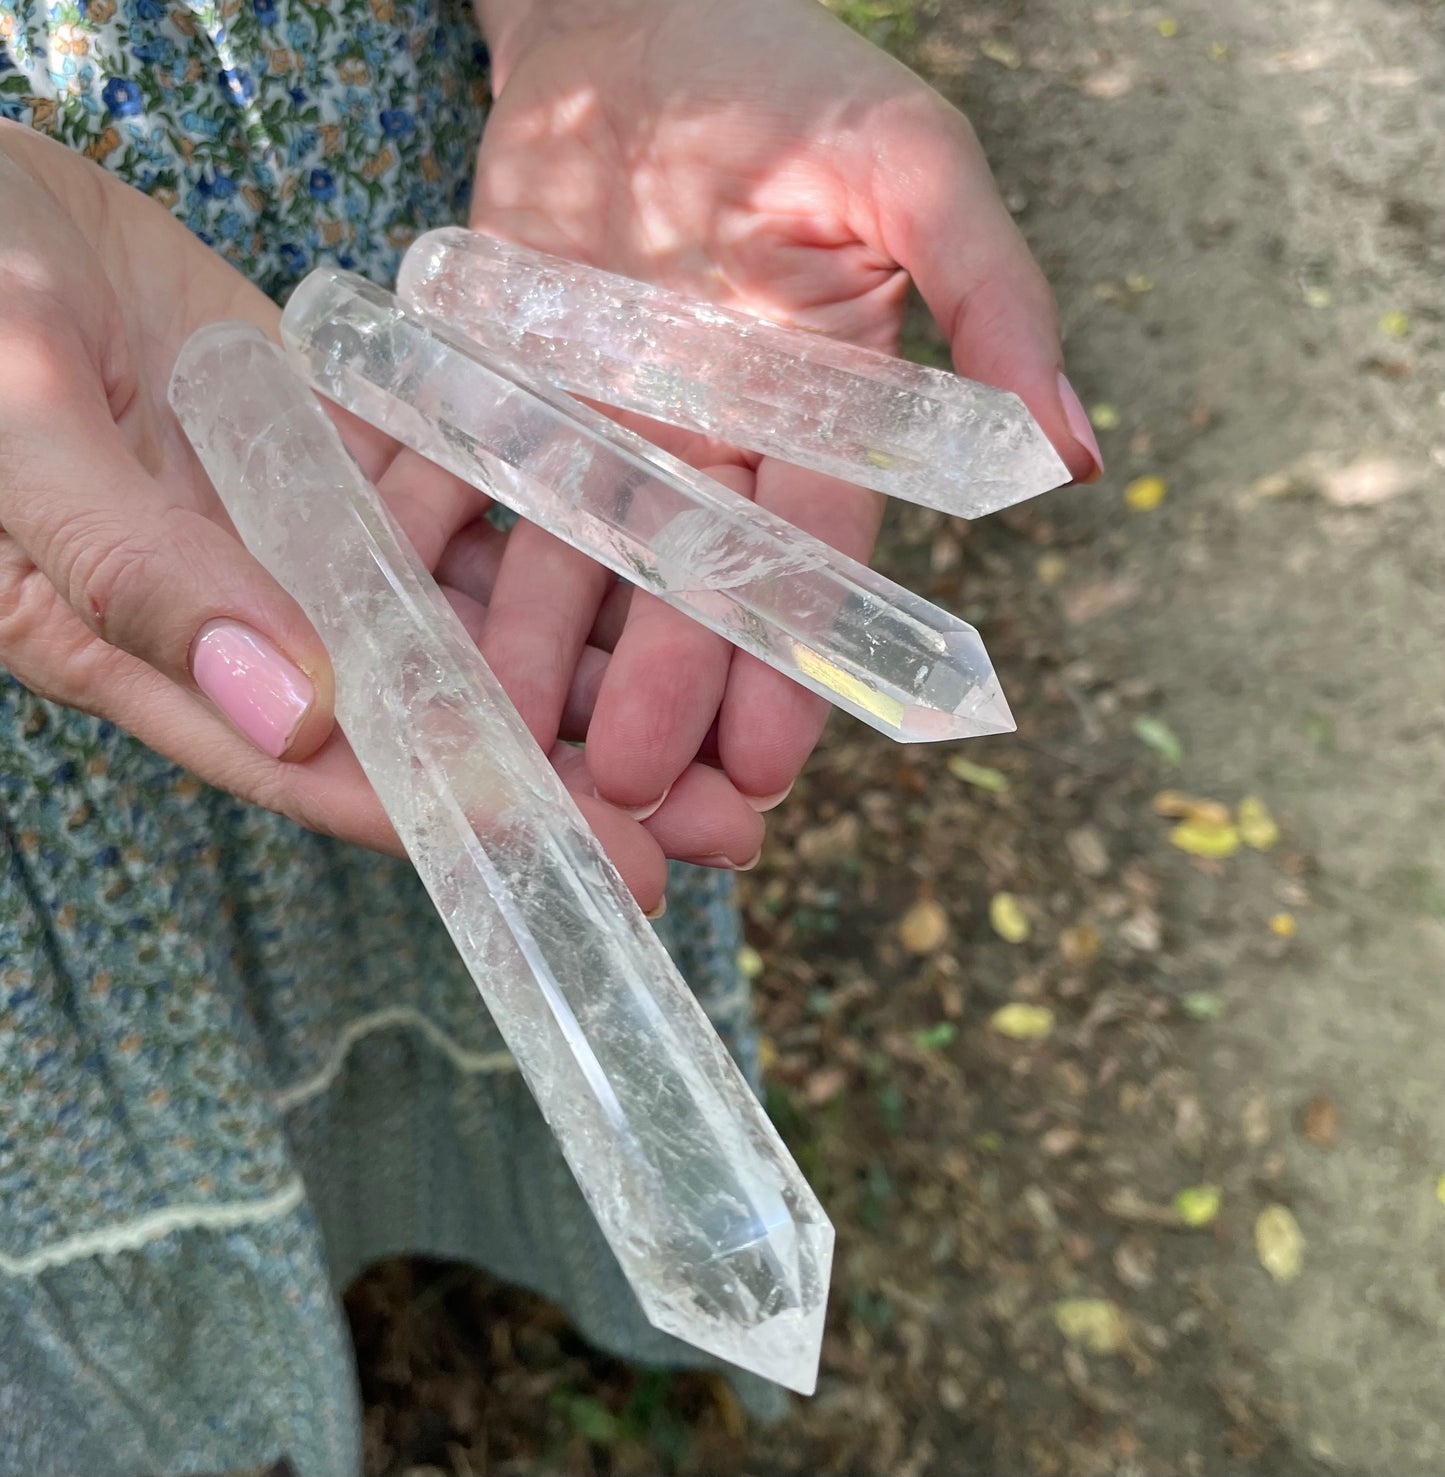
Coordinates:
758 154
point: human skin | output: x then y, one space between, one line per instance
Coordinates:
754 152
759 154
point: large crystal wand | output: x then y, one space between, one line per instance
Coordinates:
715 1228
905 429
884 654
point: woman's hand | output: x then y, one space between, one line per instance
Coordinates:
123 590
759 154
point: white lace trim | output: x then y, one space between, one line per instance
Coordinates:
381 1020
130 1235
133 1234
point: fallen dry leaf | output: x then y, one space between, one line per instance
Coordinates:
1088 602
1134 1261
1279 1242
1104 417
1020 1021
750 962
1079 944
1283 925
1087 851
1008 918
1395 324
1199 1204
1177 805
980 776
1200 839
1320 1122
1005 53
1051 567
1095 1324
1158 735
1365 483
924 928
1144 494
1257 827
1440 1189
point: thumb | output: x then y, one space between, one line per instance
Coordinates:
940 217
161 580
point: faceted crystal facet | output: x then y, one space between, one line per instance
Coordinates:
902 665
905 429
716 1230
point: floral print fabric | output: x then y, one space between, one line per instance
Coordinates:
239 1061
282 132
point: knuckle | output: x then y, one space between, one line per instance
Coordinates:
110 576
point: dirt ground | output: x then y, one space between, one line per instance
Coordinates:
1242 209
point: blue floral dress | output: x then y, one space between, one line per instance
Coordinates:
239 1061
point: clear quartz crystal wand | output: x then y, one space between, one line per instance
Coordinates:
882 653
722 1240
911 431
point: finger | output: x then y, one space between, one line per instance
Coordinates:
152 576
635 853
938 213
704 820
431 505
768 724
542 606
611 619
586 679
659 696
472 559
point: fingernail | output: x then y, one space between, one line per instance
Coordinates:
756 857
718 860
1082 431
761 803
657 912
259 690
641 812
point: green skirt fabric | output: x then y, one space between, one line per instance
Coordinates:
238 1061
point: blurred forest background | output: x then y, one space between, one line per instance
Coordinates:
1116 1047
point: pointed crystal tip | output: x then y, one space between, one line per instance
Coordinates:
761 1307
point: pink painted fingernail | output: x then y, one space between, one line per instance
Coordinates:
1082 431
762 803
259 690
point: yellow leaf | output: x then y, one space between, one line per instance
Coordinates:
1440 1189
1009 920
1279 1242
1022 1022
1257 827
1168 27
1094 1324
1191 808
1104 417
1200 838
1139 282
1052 567
767 1053
1317 297
980 776
1218 51
1395 325
750 962
1199 1204
1002 52
924 927
1283 924
1144 494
